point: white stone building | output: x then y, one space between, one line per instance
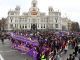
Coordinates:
66 24
52 21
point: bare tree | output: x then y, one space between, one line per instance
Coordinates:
75 27
3 24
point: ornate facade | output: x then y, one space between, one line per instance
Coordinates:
51 21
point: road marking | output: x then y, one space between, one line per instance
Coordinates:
1 58
5 46
5 43
7 51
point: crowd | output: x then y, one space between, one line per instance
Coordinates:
57 44
52 44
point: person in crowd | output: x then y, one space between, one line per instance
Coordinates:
73 58
73 43
2 39
47 55
79 54
70 57
54 52
66 48
67 59
43 57
38 55
58 57
76 49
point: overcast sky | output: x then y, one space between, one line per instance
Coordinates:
69 8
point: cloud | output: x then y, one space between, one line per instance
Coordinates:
69 7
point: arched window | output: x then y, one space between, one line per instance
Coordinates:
38 25
41 25
25 26
20 25
11 18
15 25
56 25
44 25
56 18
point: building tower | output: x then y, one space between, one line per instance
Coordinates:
17 9
50 11
34 3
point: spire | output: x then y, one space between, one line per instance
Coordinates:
34 3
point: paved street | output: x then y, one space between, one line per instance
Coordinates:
65 56
6 53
